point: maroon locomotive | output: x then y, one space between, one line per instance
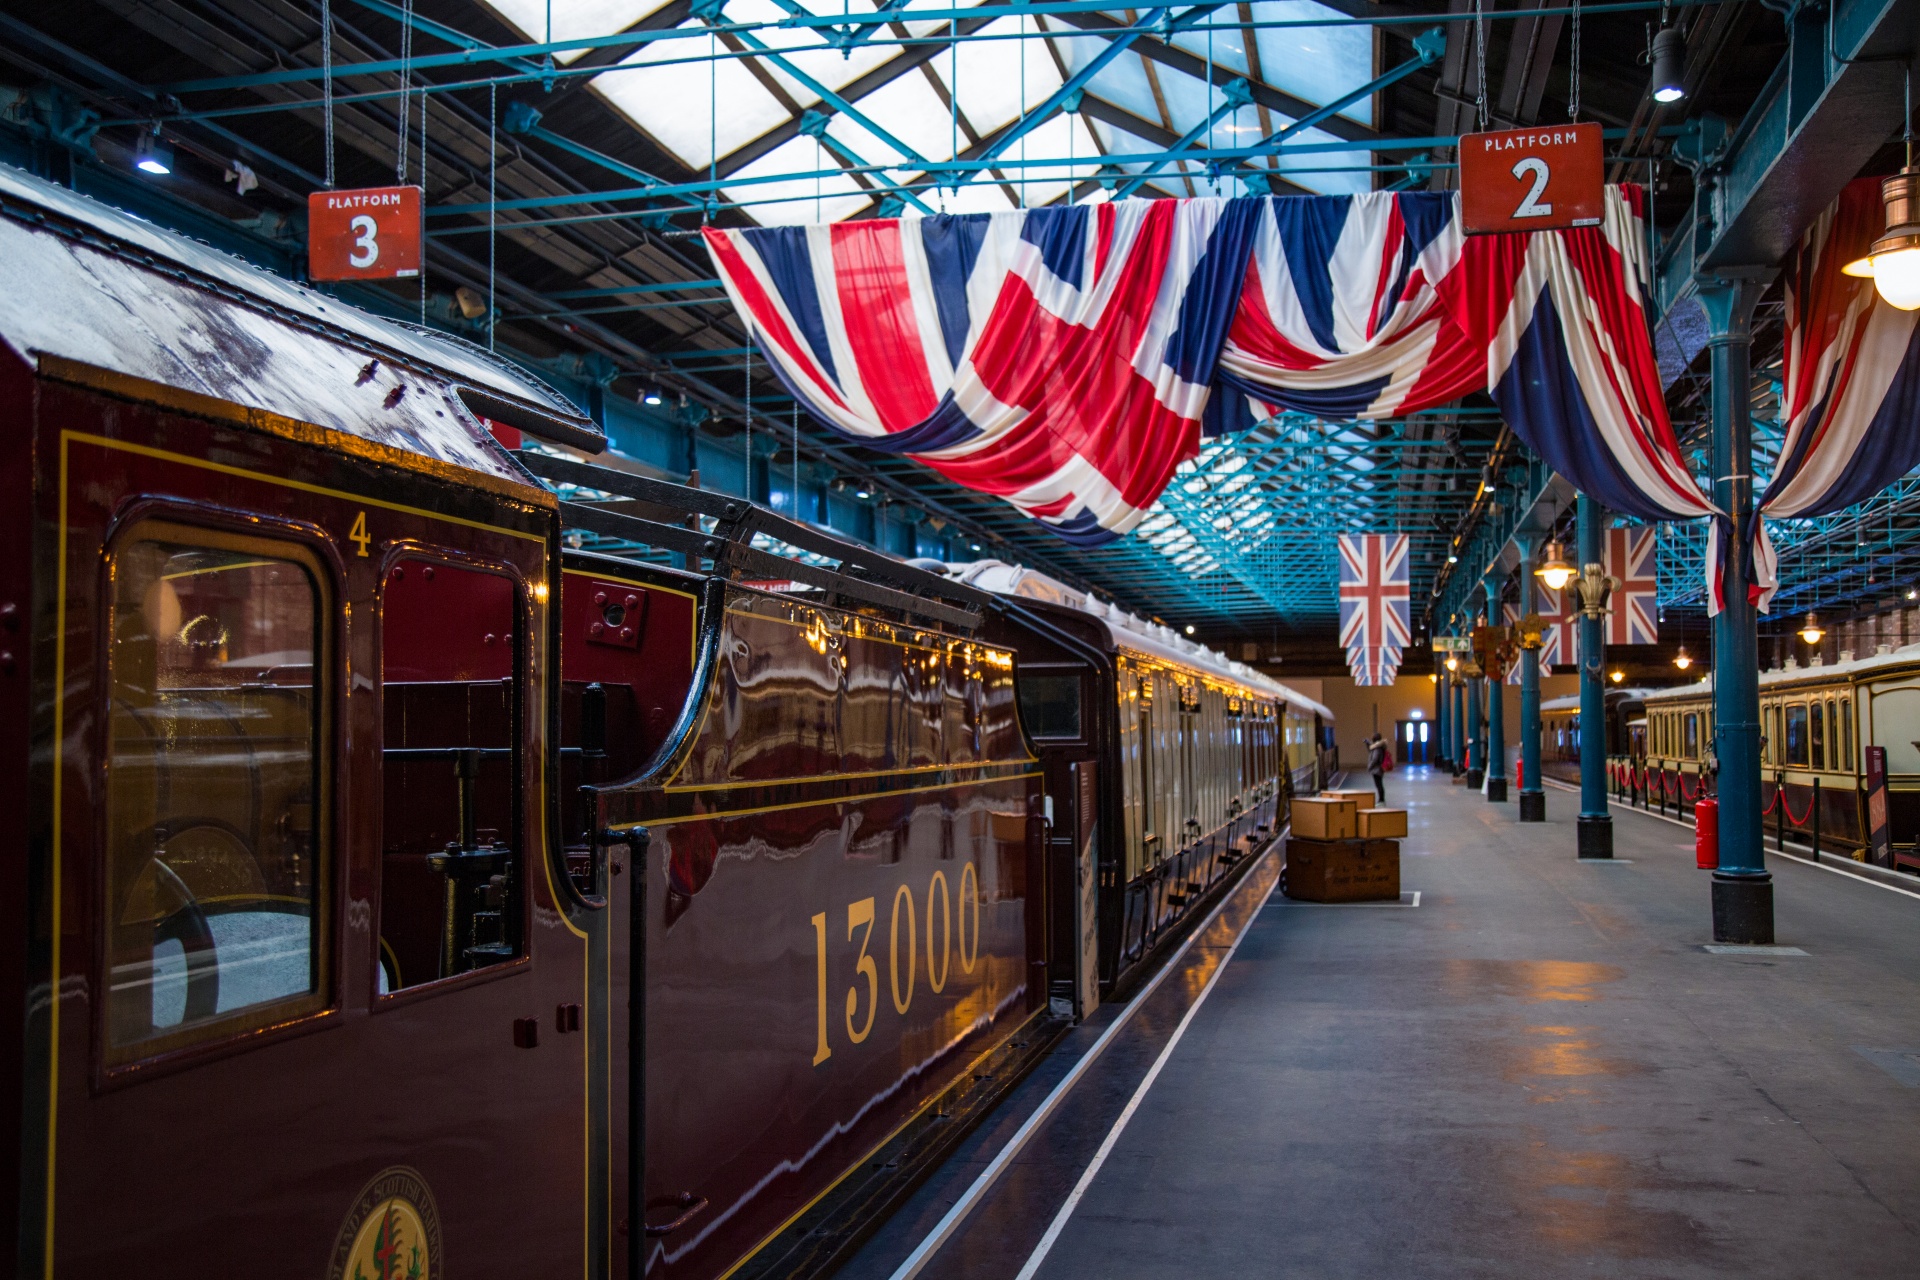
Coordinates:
397 887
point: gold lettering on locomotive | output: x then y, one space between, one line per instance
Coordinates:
391 1232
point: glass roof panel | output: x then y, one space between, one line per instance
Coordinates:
801 200
996 81
1123 82
832 67
910 110
673 102
1319 64
572 19
1226 50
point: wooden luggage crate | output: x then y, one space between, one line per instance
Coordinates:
1323 818
1342 870
1382 824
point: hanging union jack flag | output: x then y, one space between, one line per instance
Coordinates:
1634 614
1375 601
1374 666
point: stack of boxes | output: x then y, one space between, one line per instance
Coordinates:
1343 849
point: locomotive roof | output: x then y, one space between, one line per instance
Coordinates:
1127 630
1905 655
83 283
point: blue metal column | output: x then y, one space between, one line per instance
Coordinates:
1458 722
1533 793
1742 886
1596 824
1476 737
1496 709
1441 760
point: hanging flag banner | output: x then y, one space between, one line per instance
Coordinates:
1375 601
1065 358
1560 642
1531 179
373 233
1633 611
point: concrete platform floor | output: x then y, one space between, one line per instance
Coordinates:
1537 1071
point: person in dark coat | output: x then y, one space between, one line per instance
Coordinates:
1377 765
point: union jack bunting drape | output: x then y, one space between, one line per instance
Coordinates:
1376 623
1374 666
1065 358
1850 378
1560 643
1633 613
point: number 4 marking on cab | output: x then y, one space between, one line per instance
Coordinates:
358 534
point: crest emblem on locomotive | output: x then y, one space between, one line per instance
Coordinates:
392 1232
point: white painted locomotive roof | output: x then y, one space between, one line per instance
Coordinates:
1572 701
155 305
1127 630
1905 655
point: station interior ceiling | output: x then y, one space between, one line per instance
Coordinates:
570 150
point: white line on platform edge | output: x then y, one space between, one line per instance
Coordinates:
1059 1223
1791 857
944 1229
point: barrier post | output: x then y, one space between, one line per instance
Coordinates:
1815 833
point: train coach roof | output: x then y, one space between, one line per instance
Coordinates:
1571 702
1905 655
87 284
1126 630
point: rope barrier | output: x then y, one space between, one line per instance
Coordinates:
1798 820
1777 793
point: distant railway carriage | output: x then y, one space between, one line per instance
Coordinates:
1560 730
1183 760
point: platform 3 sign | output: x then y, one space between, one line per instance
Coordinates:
373 233
1531 179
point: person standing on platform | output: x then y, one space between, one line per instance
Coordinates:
1377 765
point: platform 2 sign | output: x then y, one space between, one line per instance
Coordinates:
374 233
1531 179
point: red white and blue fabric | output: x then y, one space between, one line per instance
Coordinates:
1633 610
1374 666
1065 358
1850 378
1375 598
1560 642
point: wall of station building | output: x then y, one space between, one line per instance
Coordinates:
1359 709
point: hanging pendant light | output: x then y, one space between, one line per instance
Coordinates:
1556 571
1811 631
1669 65
1893 261
1683 659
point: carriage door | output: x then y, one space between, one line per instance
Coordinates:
300 1031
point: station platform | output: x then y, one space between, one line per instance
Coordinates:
1538 1070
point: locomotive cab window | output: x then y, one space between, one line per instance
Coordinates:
214 871
1050 704
452 869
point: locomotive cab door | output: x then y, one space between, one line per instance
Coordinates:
322 1004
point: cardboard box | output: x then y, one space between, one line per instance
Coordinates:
1361 799
1342 870
1323 818
1382 824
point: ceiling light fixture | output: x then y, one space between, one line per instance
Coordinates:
1617 675
1810 630
1453 663
1683 659
1556 571
650 396
1893 261
1669 65
153 154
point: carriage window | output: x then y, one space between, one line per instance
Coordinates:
452 882
1845 735
213 768
1797 733
1690 739
1050 705
1818 736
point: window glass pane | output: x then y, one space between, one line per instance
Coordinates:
1846 734
212 764
451 880
1050 704
1797 733
1690 741
1819 736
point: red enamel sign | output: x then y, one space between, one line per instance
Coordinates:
1531 179
371 234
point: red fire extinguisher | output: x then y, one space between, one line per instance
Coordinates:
1706 833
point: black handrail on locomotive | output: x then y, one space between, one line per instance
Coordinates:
863 574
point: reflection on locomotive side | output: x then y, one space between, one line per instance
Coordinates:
838 830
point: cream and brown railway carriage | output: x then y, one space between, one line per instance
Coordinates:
1814 723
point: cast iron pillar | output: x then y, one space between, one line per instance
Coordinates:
1476 737
1496 711
1533 795
1441 758
1458 722
1742 886
1596 824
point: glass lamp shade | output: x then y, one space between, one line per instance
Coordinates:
1811 632
1893 263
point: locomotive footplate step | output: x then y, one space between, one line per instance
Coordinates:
1558 1073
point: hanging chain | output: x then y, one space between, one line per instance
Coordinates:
1480 53
406 77
326 80
493 234
1573 97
